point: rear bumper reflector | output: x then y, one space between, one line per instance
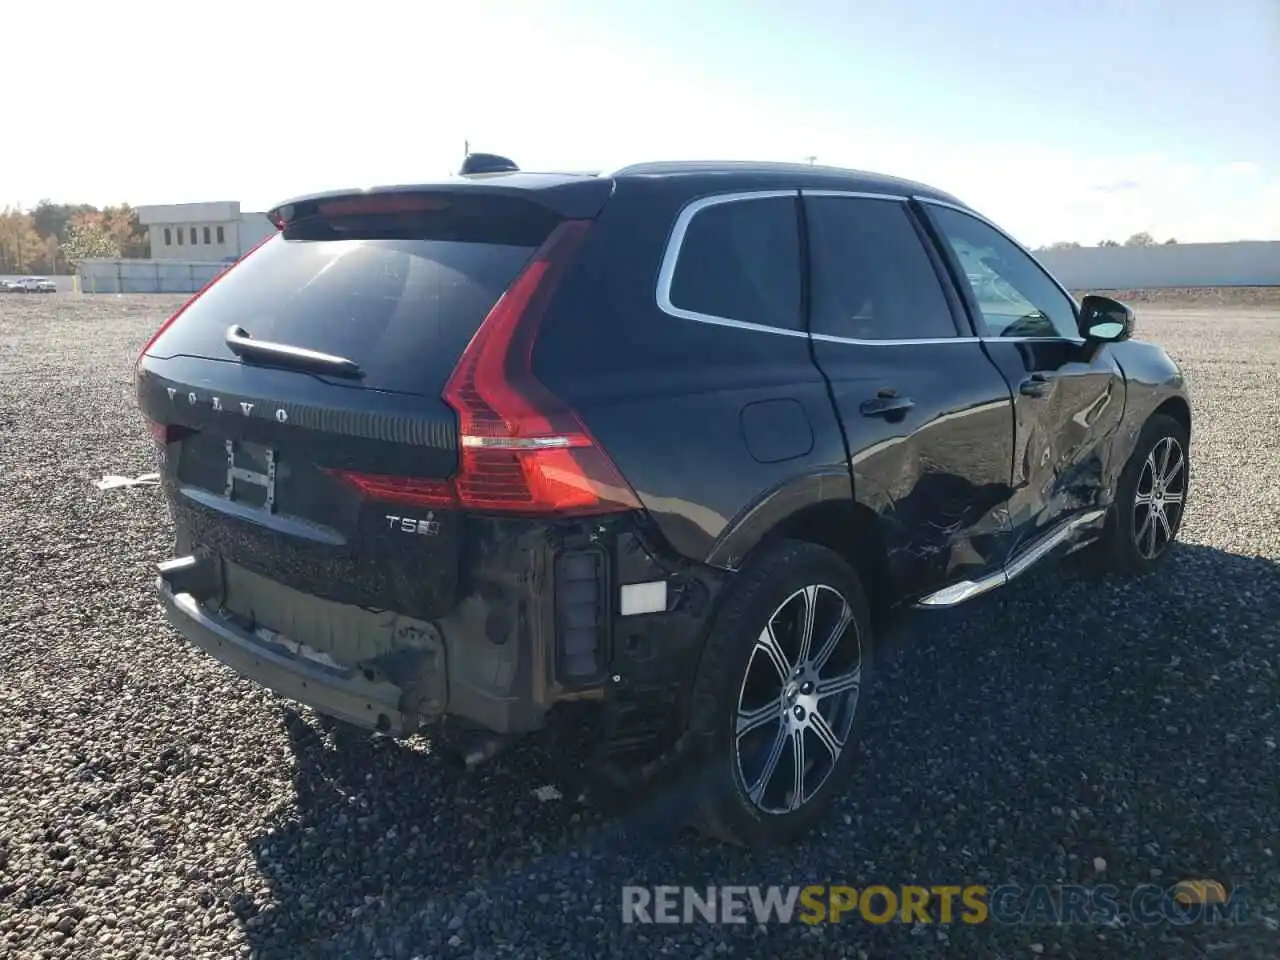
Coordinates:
637 598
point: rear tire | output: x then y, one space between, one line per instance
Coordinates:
1150 502
780 680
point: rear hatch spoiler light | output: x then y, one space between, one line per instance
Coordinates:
564 196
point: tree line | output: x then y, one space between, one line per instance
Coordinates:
1142 239
52 238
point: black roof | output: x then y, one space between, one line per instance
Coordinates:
581 194
750 174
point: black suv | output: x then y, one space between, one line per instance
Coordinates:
653 449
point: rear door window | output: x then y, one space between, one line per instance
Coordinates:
872 278
740 260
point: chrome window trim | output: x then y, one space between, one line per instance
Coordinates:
671 256
1075 306
832 338
675 242
854 194
1078 341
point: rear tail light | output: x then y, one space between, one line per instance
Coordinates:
522 449
360 205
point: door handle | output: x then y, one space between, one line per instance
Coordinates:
1036 385
884 403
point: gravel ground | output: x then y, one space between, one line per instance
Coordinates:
1178 298
154 805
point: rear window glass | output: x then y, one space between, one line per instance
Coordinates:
741 261
402 309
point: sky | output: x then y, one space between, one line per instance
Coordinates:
1075 120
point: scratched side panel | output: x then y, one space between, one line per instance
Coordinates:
1152 379
939 475
1063 437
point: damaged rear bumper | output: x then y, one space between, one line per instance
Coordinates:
540 622
342 693
356 694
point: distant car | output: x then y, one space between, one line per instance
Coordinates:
31 285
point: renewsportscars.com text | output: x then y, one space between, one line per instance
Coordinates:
1183 904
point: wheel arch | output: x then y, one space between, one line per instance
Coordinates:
816 508
1178 409
853 532
1144 401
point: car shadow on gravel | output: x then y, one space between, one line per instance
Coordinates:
1027 737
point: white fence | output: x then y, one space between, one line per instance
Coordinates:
147 276
1251 263
1243 264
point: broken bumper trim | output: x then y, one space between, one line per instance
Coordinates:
345 694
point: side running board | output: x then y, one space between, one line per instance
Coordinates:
958 593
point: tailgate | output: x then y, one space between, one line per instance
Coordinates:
326 351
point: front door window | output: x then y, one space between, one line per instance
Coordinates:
1015 297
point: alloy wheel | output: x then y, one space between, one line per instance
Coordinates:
1159 499
798 700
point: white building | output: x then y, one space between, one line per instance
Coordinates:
202 231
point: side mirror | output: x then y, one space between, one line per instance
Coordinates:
1106 320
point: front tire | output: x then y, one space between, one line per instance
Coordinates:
1150 500
777 695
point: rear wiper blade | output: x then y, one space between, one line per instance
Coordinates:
243 345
